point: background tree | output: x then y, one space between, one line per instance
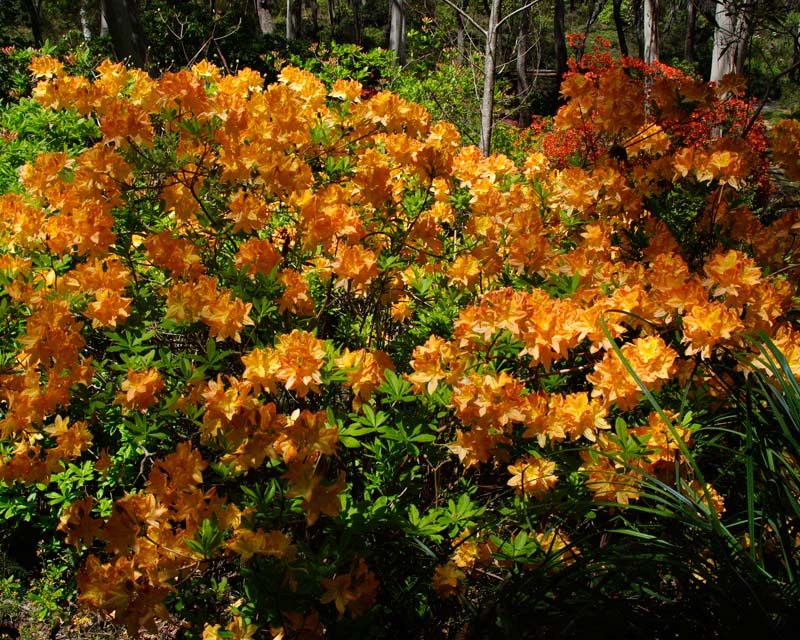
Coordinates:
125 28
397 30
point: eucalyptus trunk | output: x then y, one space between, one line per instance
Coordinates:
265 22
487 102
650 31
397 31
127 36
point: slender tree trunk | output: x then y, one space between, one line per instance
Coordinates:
85 28
265 21
332 17
691 24
560 41
487 103
744 24
523 86
461 34
127 35
103 21
356 7
293 14
650 31
313 7
35 13
728 38
619 25
397 31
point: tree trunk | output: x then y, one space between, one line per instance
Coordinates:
265 21
397 31
523 87
560 42
313 7
729 35
487 103
691 24
332 17
745 27
103 21
619 24
356 7
127 35
85 28
293 14
35 13
650 31
460 35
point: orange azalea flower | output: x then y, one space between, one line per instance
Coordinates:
261 365
248 543
576 415
77 525
651 359
717 501
46 67
354 267
95 274
140 389
606 480
317 497
300 357
108 308
259 256
705 326
226 317
179 255
71 441
556 544
448 580
732 275
365 371
466 269
428 362
355 591
469 550
493 402
532 476
247 212
296 298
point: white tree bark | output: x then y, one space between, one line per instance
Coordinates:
729 39
650 31
397 31
265 22
487 102
85 28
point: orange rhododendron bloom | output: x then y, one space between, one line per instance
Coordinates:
448 580
651 359
259 256
140 389
732 275
248 543
532 476
300 357
108 308
430 364
354 267
296 298
365 371
355 591
705 326
575 415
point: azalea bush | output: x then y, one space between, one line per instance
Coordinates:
287 360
